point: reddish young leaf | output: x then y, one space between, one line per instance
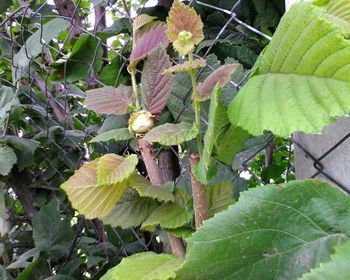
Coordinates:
109 100
156 87
147 43
183 18
222 75
186 66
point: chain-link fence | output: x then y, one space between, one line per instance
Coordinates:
60 102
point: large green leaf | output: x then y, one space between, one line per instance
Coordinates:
336 269
95 188
171 134
8 159
302 79
272 232
146 189
52 234
120 134
145 266
34 45
130 211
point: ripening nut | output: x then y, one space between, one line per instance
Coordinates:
141 122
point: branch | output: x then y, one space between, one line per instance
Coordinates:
154 174
68 9
198 191
170 169
151 165
60 112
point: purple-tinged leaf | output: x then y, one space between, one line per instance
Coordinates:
186 66
147 43
109 100
156 87
222 75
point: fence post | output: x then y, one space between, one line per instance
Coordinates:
334 165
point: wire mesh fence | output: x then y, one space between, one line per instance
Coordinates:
34 86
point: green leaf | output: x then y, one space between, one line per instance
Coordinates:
336 269
24 149
34 45
149 266
35 270
95 188
230 142
169 215
172 134
4 5
4 228
120 134
86 51
302 79
217 123
8 159
219 196
121 25
130 211
272 232
112 71
8 99
145 188
52 234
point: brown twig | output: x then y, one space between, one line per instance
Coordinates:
151 165
169 169
60 112
154 174
199 197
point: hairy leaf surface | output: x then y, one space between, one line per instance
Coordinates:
220 76
172 134
146 189
130 211
95 188
147 43
156 87
109 100
272 232
336 269
302 79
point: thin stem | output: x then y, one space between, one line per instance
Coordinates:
135 89
196 105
